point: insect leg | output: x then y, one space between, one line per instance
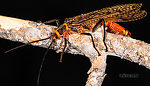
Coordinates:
41 66
26 44
53 20
63 50
96 27
89 34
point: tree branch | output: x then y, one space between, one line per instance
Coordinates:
124 47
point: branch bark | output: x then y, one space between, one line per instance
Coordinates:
124 47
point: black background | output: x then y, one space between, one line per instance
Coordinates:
20 67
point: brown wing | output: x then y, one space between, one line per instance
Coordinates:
118 13
129 16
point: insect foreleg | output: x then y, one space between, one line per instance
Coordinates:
53 20
63 50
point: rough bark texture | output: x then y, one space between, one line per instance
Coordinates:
124 47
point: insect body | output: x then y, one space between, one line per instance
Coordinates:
106 17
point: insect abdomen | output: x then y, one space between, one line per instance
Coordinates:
117 29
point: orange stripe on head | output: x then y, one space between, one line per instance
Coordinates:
57 33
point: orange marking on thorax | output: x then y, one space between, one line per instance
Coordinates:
67 28
117 29
81 29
